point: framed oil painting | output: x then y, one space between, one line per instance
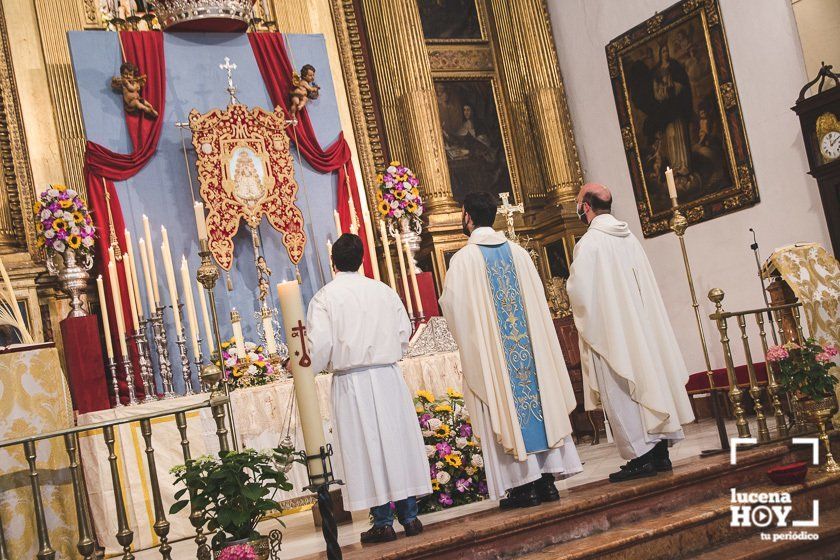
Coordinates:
678 107
449 21
472 137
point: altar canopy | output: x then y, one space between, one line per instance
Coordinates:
145 155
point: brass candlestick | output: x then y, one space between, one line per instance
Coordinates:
678 225
208 275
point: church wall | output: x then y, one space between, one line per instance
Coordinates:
769 70
818 22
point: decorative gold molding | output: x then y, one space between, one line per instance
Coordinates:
18 192
460 58
728 95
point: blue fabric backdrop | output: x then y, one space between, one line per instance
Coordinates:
162 189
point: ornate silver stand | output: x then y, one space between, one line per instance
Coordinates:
147 374
410 231
199 360
128 369
162 348
112 367
185 363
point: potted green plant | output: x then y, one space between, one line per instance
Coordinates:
232 492
804 371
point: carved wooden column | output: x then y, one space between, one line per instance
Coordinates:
529 63
409 105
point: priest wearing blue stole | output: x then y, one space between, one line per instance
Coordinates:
516 386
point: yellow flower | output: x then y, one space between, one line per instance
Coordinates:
380 178
39 242
225 345
411 208
426 396
443 408
239 372
399 195
453 394
74 241
39 226
395 163
415 191
78 217
260 363
443 431
59 224
384 207
435 485
379 196
65 203
419 409
38 206
453 460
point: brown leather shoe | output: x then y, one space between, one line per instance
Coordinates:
414 528
379 535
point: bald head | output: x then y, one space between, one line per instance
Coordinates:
592 200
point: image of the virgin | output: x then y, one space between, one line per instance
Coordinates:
247 173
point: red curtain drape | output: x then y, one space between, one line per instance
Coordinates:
103 166
276 69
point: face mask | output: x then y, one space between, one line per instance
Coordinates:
464 227
582 215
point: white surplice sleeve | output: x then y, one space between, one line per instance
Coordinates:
403 322
319 333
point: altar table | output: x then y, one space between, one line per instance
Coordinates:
261 419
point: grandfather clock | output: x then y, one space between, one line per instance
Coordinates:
819 116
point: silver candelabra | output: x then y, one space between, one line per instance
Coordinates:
144 359
162 348
115 384
128 370
181 341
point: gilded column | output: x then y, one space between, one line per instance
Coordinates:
409 104
528 56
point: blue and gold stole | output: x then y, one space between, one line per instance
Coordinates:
519 353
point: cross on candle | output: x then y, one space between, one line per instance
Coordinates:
509 210
300 331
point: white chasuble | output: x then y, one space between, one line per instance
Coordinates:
358 329
516 386
627 343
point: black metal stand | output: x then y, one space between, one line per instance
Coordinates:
320 485
717 412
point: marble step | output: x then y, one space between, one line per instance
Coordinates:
583 512
826 548
694 529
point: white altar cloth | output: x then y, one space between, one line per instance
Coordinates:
260 414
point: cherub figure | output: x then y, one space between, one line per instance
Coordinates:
304 88
264 274
130 81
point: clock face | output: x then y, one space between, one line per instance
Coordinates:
830 145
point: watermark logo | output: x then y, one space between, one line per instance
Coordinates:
772 510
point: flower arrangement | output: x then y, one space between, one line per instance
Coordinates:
232 492
456 465
398 195
256 369
805 368
238 552
63 221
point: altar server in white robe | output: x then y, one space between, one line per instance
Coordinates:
516 386
631 363
359 329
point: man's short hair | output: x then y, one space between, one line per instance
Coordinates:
482 207
347 253
598 205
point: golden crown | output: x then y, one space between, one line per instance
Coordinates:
204 15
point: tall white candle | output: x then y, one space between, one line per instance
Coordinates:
114 280
190 305
406 293
238 339
106 325
338 230
132 303
374 261
147 275
135 282
669 179
389 265
208 329
294 323
200 221
415 288
268 329
152 266
170 279
329 252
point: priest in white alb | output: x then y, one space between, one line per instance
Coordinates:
516 386
631 363
358 329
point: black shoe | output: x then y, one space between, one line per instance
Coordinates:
546 490
661 459
520 497
414 528
379 535
637 468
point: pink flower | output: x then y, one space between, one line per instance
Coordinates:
777 354
238 552
445 499
830 349
823 357
443 449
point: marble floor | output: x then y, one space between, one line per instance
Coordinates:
301 537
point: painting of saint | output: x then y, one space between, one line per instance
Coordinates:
247 173
475 152
449 19
678 108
